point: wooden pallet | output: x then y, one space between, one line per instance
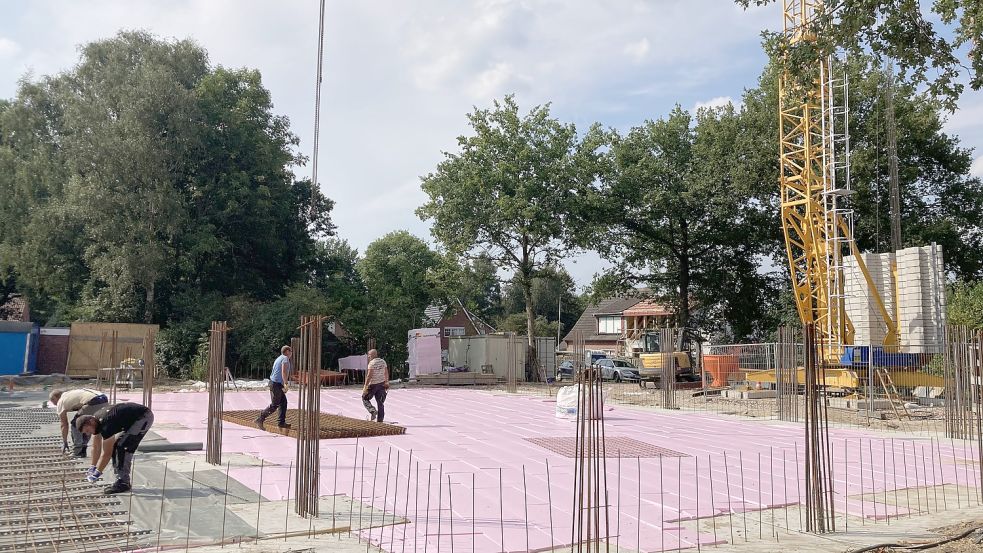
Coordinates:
332 426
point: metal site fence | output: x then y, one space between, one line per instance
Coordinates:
930 389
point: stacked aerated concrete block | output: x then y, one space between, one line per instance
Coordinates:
921 291
861 307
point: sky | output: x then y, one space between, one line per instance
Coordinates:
400 76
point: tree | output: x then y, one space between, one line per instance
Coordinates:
335 273
397 272
940 199
965 304
673 211
143 182
516 322
505 194
553 288
475 282
898 31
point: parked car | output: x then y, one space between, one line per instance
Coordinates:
565 371
618 370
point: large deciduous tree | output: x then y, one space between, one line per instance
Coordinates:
673 212
145 185
505 194
397 272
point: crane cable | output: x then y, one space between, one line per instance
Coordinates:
317 111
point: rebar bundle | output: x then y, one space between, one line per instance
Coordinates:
820 514
591 524
216 391
786 375
149 368
961 366
307 356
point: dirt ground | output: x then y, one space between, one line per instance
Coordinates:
913 420
971 543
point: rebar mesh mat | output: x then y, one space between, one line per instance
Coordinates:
332 426
614 446
46 505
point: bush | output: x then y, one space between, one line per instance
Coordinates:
965 304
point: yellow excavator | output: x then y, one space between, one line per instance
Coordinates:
684 357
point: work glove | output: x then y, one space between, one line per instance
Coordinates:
64 446
93 476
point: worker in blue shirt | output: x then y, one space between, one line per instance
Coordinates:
278 388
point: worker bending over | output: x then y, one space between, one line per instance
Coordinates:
118 432
81 401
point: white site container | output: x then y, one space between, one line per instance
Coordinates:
488 354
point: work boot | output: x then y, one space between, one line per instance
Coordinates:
373 415
117 487
259 421
284 425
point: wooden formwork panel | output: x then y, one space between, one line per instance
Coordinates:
332 426
92 346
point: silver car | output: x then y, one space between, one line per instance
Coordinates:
618 370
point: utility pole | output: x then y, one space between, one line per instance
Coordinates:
559 319
892 172
892 160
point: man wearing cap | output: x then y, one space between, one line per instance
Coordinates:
118 432
81 401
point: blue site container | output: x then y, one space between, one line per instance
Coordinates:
18 347
858 356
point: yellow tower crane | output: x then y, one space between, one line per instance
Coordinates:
814 148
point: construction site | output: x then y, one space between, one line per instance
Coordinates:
859 427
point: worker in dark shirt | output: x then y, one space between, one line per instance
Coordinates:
117 433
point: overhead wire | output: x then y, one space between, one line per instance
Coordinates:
317 110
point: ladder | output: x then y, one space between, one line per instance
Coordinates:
887 383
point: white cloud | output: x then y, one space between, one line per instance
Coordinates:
8 48
718 102
399 77
977 169
639 50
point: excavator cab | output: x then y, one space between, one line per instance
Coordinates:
651 358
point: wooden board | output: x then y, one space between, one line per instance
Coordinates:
458 379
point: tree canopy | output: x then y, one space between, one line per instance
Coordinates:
146 185
673 212
397 270
505 194
927 52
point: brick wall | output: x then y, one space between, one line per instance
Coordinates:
53 351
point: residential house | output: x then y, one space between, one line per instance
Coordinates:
455 320
615 324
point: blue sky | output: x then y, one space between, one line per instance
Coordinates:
400 75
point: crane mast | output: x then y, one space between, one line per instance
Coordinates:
815 189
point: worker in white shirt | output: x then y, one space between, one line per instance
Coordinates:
81 401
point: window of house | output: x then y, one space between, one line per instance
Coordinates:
453 331
609 325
